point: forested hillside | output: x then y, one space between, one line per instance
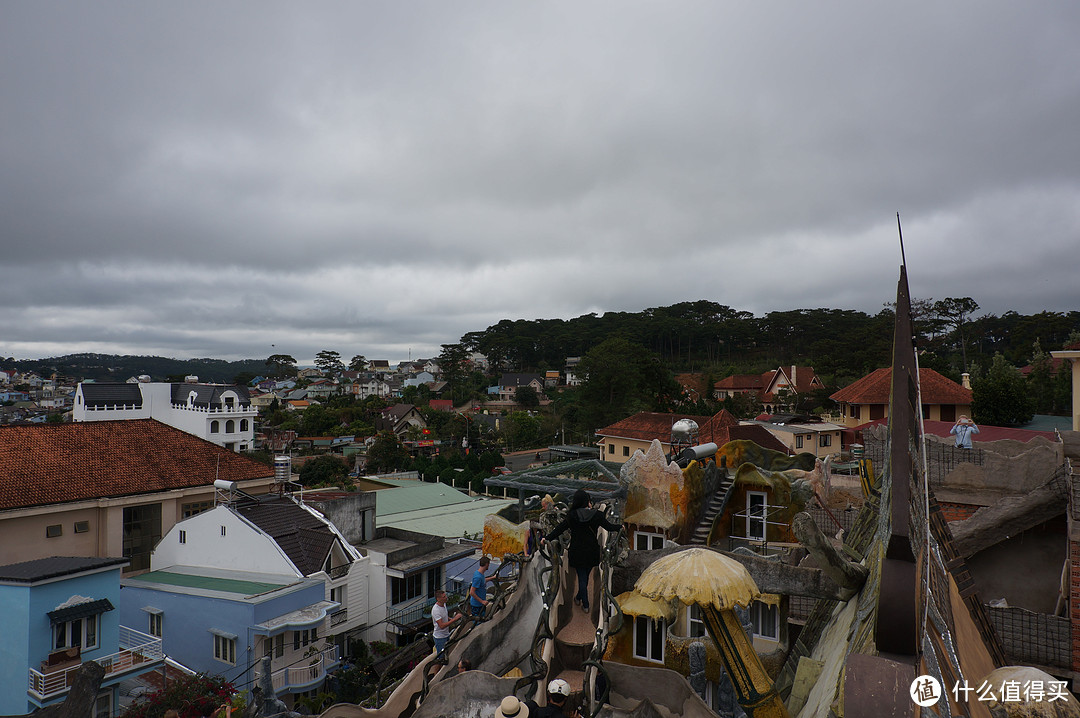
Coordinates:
110 367
841 344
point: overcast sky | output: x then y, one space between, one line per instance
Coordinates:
239 179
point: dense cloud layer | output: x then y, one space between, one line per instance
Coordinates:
380 178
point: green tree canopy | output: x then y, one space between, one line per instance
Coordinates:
325 469
622 378
329 362
358 363
527 396
281 365
1000 397
386 453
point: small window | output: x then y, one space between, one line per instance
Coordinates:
225 649
54 531
611 448
695 623
825 439
765 620
626 450
649 639
222 530
798 441
279 645
155 625
82 527
243 425
183 536
646 541
215 427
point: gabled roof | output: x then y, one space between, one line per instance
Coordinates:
516 380
304 538
801 379
56 463
874 389
742 382
397 412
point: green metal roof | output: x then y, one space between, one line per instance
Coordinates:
454 521
414 495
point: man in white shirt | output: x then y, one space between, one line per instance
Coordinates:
441 623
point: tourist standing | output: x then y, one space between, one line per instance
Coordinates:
584 552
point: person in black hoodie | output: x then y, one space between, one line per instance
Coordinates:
584 552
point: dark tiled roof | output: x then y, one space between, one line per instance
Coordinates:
874 389
111 393
304 538
647 426
45 568
46 464
208 394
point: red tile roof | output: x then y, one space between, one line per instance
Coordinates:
646 426
743 382
986 432
874 389
45 464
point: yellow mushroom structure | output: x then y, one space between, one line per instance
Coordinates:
717 584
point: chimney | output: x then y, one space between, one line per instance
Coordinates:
965 380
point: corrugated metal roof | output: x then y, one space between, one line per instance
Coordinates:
452 521
413 495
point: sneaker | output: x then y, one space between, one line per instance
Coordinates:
577 600
585 607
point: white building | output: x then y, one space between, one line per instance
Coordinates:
275 535
216 412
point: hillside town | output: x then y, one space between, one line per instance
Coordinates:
169 532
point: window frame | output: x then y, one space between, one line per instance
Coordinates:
225 649
652 632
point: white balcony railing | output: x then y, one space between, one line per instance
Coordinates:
137 651
292 677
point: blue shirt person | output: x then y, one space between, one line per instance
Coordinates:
963 430
478 588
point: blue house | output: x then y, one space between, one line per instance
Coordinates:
222 622
58 612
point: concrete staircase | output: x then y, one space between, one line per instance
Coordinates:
717 502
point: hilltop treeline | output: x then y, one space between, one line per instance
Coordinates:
111 367
839 343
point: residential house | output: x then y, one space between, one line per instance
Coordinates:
310 373
261 401
379 366
867 399
58 612
298 404
572 378
620 440
509 384
805 433
6 375
216 412
14 396
223 622
369 385
418 378
108 488
399 418
551 378
415 566
775 389
277 535
322 389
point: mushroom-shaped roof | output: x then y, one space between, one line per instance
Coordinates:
633 603
701 576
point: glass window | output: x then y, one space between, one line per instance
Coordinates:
82 527
196 507
646 541
434 580
755 515
626 450
825 439
403 589
54 531
695 622
155 625
78 633
649 639
798 441
766 620
225 649
142 531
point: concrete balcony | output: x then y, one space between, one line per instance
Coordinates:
300 678
138 652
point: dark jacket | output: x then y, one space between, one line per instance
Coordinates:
584 551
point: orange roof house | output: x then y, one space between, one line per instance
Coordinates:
620 440
108 488
772 388
868 398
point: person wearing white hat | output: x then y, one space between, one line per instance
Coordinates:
511 707
557 693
